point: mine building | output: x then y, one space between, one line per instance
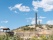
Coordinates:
7 30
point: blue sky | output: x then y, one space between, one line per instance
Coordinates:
16 13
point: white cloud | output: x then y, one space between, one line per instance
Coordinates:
41 17
50 22
5 21
28 19
47 5
20 7
33 21
10 8
2 27
15 11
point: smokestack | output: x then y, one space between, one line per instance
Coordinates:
39 22
35 19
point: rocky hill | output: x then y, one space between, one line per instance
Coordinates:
32 28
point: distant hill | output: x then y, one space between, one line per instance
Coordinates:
32 27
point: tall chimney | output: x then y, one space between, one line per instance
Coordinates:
35 20
39 22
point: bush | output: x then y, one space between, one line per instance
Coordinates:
7 37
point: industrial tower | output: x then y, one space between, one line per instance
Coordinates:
35 20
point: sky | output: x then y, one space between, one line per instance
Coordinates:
17 13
